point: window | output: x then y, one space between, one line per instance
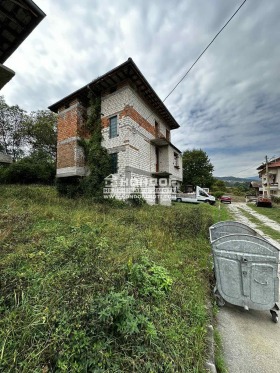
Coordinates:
176 160
114 160
113 127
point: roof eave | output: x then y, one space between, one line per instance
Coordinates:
97 85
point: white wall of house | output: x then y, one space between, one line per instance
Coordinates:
274 180
136 155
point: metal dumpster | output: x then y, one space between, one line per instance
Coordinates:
246 271
224 228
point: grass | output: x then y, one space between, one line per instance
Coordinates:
219 359
88 287
272 213
260 225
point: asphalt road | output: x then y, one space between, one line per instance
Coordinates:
251 340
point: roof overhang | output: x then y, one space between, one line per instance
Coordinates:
18 18
128 71
6 75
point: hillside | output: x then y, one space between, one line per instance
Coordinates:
231 179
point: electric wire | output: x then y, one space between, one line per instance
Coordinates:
201 54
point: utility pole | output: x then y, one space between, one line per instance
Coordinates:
267 178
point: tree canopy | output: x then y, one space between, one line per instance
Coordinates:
30 139
197 169
12 119
22 134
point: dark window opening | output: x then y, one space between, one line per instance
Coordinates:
176 160
156 128
114 164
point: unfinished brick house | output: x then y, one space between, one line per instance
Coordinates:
136 132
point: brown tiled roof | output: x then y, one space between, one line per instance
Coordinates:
272 164
127 71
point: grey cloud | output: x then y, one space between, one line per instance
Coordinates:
228 104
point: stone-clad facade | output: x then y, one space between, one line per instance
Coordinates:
136 131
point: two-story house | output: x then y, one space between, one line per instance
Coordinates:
273 176
136 129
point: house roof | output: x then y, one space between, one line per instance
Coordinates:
127 71
273 164
18 18
5 158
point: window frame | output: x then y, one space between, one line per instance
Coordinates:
115 131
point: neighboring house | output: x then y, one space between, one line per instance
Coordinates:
5 159
136 132
273 176
18 18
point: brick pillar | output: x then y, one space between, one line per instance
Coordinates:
70 156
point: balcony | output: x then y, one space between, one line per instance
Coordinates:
272 186
160 141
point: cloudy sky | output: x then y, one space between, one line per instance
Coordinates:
229 103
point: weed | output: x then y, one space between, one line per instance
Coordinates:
101 287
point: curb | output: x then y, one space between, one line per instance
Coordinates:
210 362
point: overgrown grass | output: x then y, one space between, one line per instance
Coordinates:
90 287
260 225
272 213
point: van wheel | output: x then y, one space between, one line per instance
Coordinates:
179 200
207 201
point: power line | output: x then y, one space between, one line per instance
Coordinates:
260 163
205 50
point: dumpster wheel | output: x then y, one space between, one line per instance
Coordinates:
274 316
219 299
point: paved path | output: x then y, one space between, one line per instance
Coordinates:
251 340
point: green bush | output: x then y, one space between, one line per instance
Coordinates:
136 199
275 199
218 194
69 186
29 170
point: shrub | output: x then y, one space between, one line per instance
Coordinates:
29 170
218 194
136 199
69 186
275 199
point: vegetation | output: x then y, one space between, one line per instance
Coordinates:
102 287
219 359
36 168
260 225
31 141
197 169
11 123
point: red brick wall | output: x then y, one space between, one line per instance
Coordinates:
70 124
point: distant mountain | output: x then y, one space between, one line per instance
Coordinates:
233 179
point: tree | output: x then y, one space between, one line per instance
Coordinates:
12 119
219 185
197 168
40 131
